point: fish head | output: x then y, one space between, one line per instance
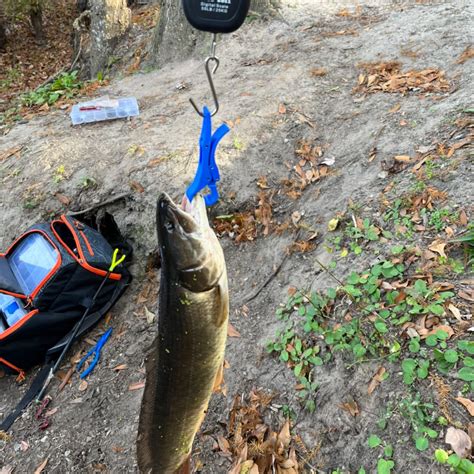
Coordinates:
189 248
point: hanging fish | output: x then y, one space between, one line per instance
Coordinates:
188 352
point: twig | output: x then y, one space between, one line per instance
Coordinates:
326 269
275 272
66 379
100 204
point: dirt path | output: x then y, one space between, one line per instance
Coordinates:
276 99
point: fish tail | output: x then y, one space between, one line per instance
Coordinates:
185 468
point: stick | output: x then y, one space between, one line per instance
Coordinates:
275 272
100 204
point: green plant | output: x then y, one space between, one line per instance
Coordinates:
458 465
385 466
64 86
467 239
12 76
59 174
420 414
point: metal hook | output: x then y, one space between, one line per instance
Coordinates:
209 74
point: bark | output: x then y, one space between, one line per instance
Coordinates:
36 18
176 39
109 21
3 27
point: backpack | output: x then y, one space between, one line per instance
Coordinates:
48 278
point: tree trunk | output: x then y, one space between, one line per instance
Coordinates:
36 18
109 21
175 38
3 27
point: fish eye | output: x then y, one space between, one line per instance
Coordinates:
169 225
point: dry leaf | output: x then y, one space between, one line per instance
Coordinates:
467 295
402 158
468 404
224 445
232 332
120 367
136 186
455 311
438 247
318 72
441 327
351 407
295 217
460 441
282 109
376 379
395 108
284 437
468 53
41 467
150 317
83 386
463 217
63 199
136 386
12 151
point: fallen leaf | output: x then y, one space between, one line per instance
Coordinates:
402 158
447 329
468 404
455 311
120 367
224 445
468 53
395 108
24 446
467 295
318 72
232 332
463 217
284 437
136 186
351 407
150 317
10 152
136 386
262 182
460 441
63 199
83 386
41 467
438 247
295 217
332 224
282 109
376 379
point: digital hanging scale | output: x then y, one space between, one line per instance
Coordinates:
216 16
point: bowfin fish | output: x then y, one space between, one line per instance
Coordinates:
188 352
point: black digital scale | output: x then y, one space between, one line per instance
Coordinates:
216 16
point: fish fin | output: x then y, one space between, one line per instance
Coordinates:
185 468
219 381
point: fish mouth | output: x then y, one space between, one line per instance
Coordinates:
174 217
187 216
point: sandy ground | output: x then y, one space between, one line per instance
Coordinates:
263 66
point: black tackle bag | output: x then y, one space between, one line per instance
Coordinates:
48 278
